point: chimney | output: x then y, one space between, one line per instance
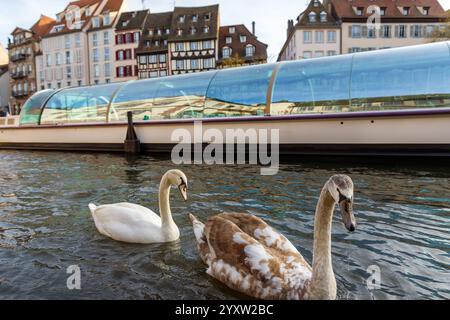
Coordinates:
254 28
290 27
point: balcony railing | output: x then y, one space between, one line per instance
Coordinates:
19 57
20 93
19 75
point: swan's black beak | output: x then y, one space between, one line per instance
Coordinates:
348 217
183 190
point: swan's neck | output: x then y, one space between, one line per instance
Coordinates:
164 204
323 282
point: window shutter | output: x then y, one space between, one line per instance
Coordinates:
132 37
364 31
350 31
424 32
124 38
117 72
381 32
397 31
117 55
411 31
136 70
117 39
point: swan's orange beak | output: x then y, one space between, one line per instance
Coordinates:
183 191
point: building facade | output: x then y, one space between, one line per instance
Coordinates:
127 39
65 48
240 47
193 40
23 49
4 85
101 42
317 33
153 52
402 23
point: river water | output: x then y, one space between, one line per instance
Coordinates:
402 208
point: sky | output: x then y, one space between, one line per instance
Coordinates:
270 15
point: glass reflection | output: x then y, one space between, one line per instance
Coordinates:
404 78
239 92
32 109
79 105
312 86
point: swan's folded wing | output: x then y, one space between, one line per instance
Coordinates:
261 231
153 217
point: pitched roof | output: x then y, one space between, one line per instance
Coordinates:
195 17
303 18
154 42
43 26
111 6
132 20
344 8
239 47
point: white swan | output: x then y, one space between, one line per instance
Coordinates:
132 223
249 256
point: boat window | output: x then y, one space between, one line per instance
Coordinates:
182 97
32 109
402 78
79 105
312 86
239 92
135 96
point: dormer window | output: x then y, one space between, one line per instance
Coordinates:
124 23
405 11
316 3
359 11
206 29
383 11
232 30
88 12
96 22
194 18
312 17
107 19
323 16
207 17
181 19
150 32
426 11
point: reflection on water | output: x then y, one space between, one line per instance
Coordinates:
403 211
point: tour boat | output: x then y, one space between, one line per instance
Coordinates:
385 102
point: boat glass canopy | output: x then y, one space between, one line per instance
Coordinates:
392 79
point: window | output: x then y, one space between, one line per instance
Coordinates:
405 11
206 29
323 16
307 55
331 36
307 36
401 31
194 64
243 39
107 19
194 45
107 69
142 59
106 38
96 70
416 31
232 30
356 31
137 37
318 54
153 74
385 31
331 53
209 63
179 64
226 52
67 41
179 46
107 53
194 18
229 40
354 49
249 51
77 40
162 58
163 73
319 85
383 11
426 11
359 11
208 44
95 39
68 57
69 72
95 22
179 32
181 19
95 54
193 30
207 17
58 59
153 58
128 38
312 17
319 36
371 32
120 55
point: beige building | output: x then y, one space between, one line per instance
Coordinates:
4 59
65 59
316 34
342 26
101 42
127 39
